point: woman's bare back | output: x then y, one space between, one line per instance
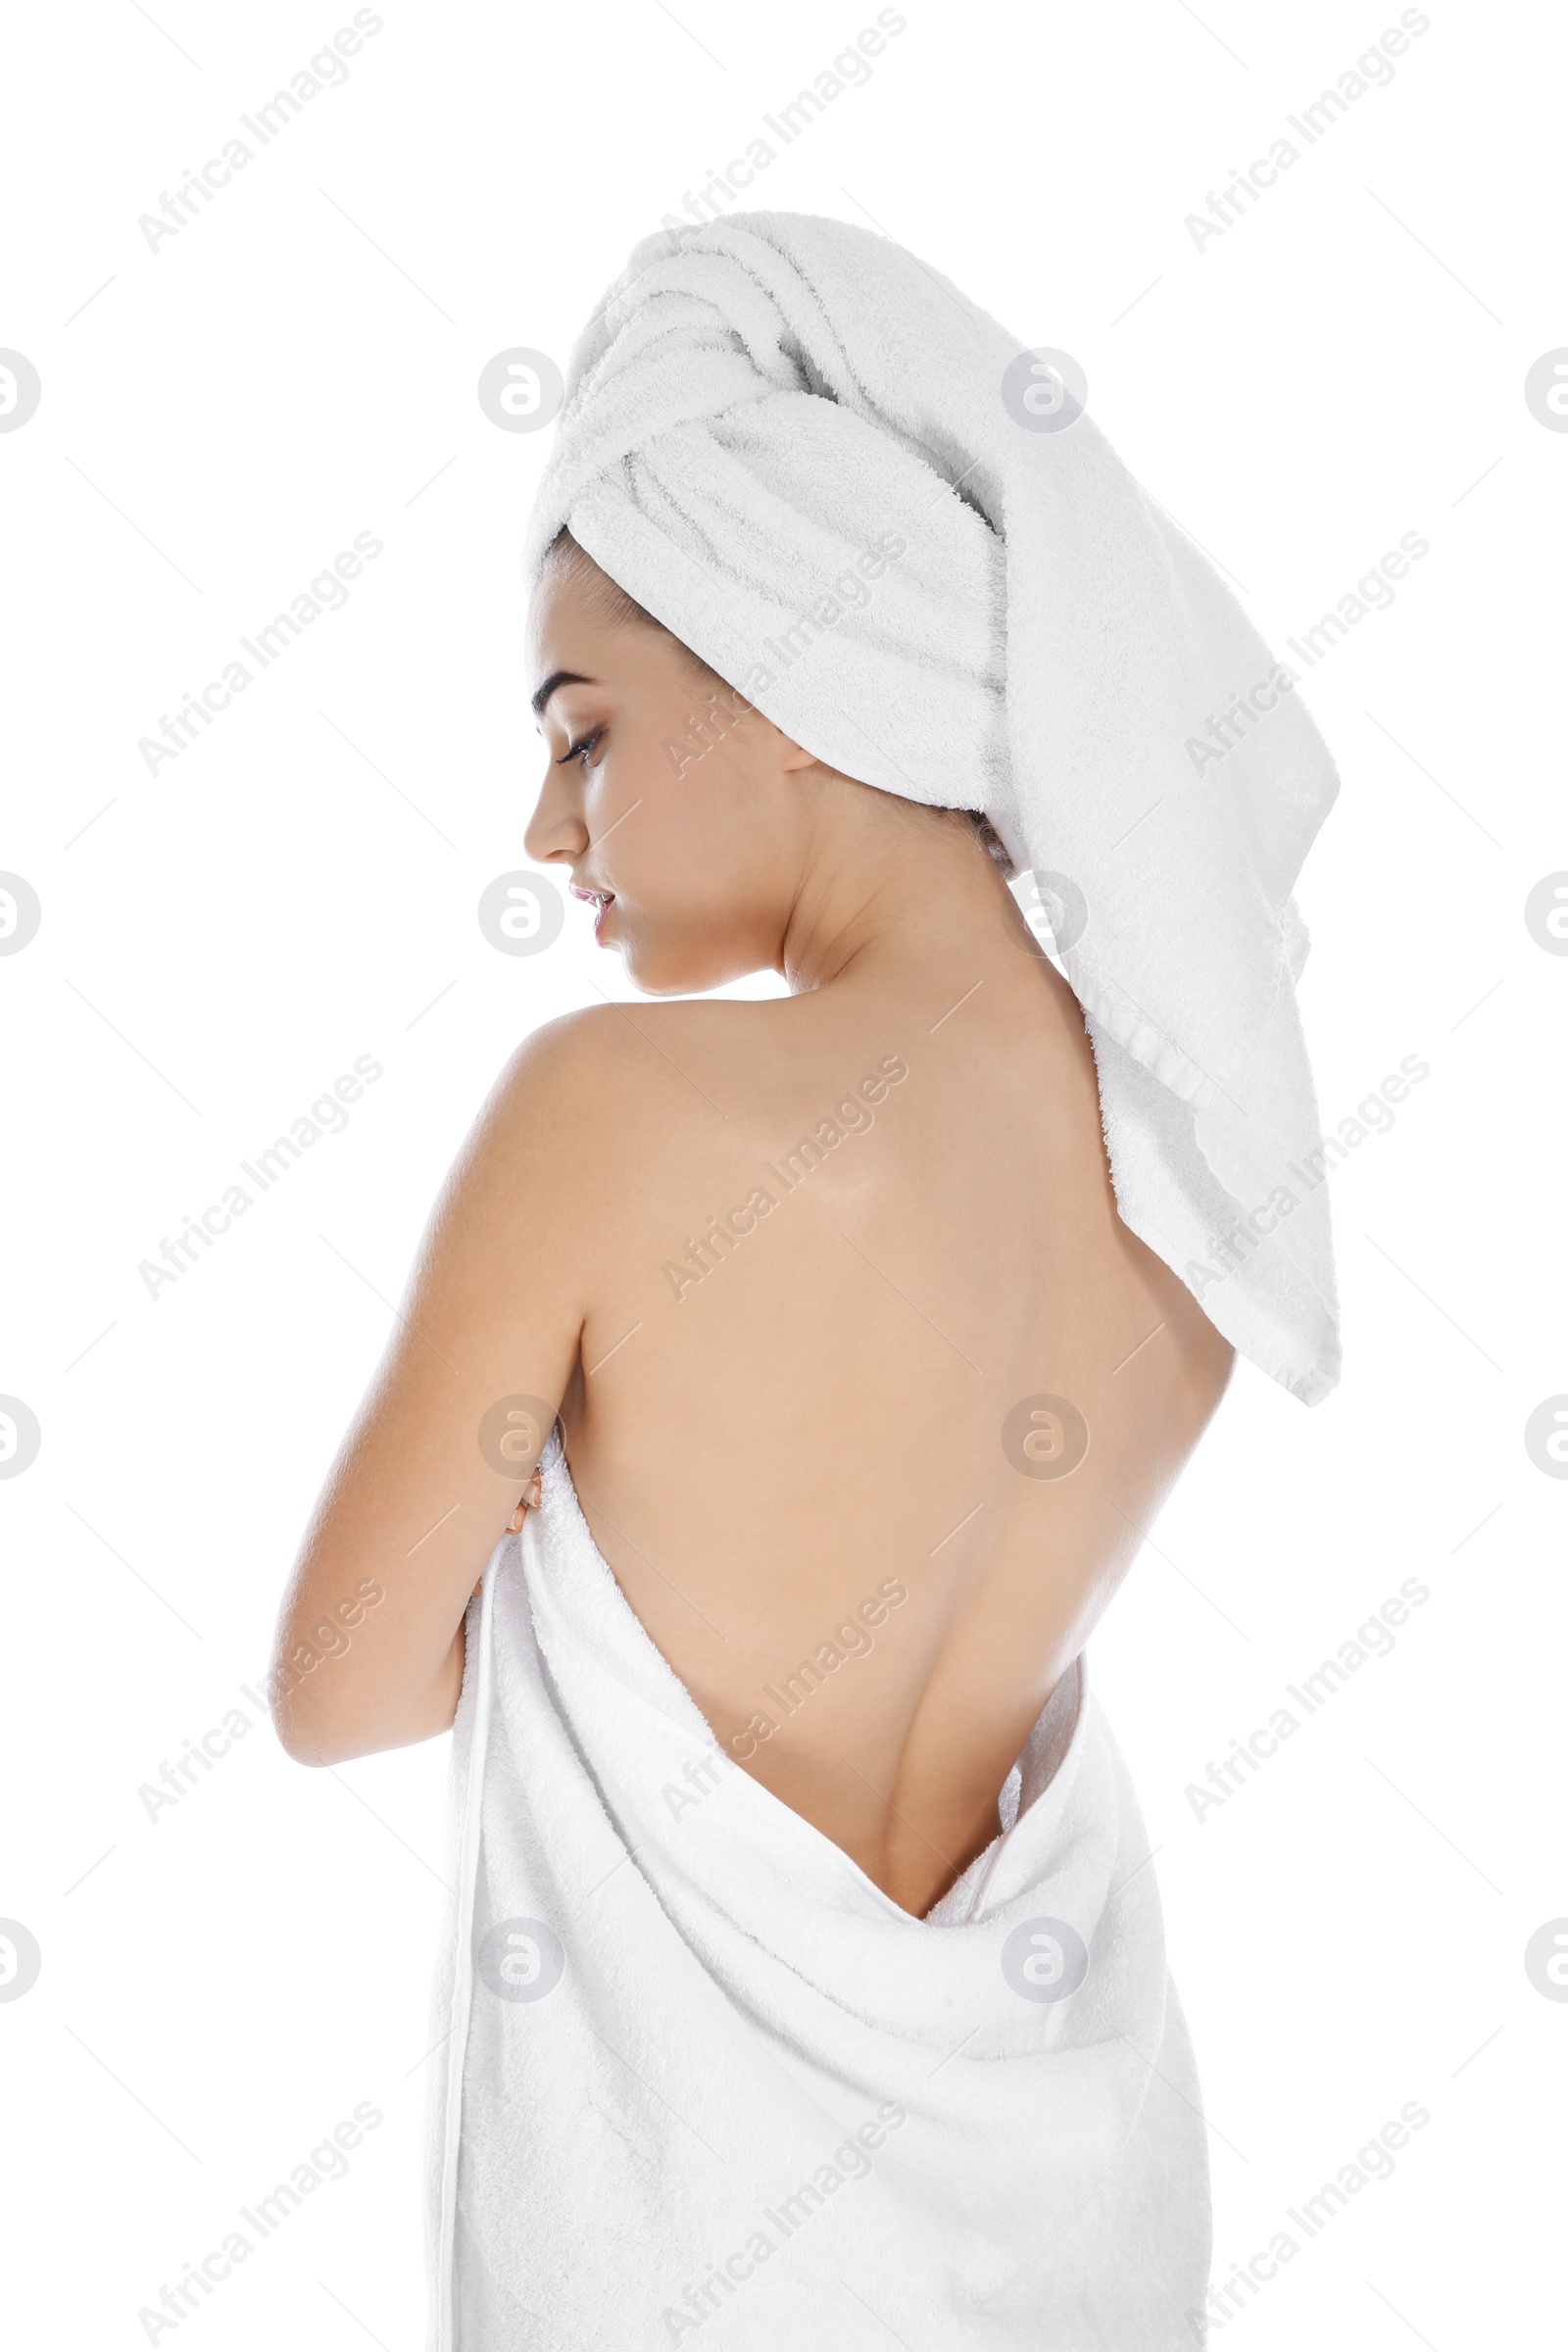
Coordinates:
876 1392
868 1393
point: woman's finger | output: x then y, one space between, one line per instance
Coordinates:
532 1494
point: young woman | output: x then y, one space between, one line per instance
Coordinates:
802 1969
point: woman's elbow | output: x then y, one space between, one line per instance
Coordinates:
320 1698
322 1721
304 1730
305 1741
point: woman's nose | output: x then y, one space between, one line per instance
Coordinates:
556 829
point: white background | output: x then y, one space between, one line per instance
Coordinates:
220 418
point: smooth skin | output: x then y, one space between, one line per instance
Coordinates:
765 1453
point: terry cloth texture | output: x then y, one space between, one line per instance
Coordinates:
697 2080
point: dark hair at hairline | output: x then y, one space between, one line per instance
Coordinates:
605 595
609 600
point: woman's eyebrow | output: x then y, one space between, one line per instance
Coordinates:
558 677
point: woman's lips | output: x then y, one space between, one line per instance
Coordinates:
601 900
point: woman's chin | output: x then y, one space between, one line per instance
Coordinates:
677 959
654 973
667 975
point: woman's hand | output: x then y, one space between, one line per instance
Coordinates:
532 1496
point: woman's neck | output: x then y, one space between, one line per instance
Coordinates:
884 890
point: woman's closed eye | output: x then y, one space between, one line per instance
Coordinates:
580 749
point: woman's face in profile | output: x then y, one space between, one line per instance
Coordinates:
664 792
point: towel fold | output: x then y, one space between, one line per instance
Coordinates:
868 508
700 2082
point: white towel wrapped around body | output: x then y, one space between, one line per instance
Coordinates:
865 505
700 2082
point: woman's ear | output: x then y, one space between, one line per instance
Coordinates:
792 758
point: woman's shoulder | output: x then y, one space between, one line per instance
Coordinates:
575 1056
596 1079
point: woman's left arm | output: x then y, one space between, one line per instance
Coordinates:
368 1653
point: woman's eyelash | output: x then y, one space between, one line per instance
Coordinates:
574 750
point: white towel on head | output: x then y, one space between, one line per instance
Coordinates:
818 462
